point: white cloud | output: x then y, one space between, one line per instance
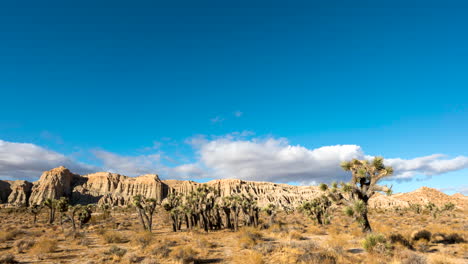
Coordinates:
275 160
128 165
28 161
427 165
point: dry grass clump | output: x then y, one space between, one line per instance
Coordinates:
23 245
322 257
116 251
249 237
114 237
184 254
133 258
44 245
295 235
265 248
251 257
9 235
7 259
163 249
143 239
409 257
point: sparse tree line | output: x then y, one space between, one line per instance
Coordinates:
76 214
204 208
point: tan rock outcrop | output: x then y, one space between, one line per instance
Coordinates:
116 189
53 184
20 192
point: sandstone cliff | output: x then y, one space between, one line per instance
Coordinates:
116 189
20 193
53 184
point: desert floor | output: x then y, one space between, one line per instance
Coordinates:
293 239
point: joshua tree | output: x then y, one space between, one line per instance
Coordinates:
318 209
35 210
250 210
145 208
448 206
172 204
84 215
62 207
50 203
271 211
355 195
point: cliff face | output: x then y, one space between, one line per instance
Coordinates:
116 189
20 193
53 184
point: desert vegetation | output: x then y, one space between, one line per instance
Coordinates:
204 226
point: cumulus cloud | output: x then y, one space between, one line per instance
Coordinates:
275 160
427 165
28 161
128 165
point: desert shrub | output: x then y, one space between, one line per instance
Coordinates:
448 239
23 245
163 249
143 239
116 251
249 237
250 257
295 235
8 235
185 254
265 248
44 245
399 239
421 245
7 259
306 246
409 257
132 258
323 257
421 234
114 237
149 261
376 243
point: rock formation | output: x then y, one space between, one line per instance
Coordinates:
116 189
20 193
53 184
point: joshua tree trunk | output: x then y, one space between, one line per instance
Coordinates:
227 213
366 227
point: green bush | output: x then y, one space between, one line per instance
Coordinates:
376 243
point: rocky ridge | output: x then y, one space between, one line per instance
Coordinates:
118 190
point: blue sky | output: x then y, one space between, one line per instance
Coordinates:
158 86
